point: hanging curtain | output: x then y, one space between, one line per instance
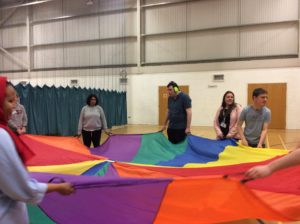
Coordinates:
55 111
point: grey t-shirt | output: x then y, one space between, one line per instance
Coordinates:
254 121
177 110
92 118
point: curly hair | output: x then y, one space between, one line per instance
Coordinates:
88 99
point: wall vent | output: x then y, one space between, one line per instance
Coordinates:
123 77
123 81
218 78
74 82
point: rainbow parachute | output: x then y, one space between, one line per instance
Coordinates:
146 179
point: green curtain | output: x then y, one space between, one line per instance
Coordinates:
55 111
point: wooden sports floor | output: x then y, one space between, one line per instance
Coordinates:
277 139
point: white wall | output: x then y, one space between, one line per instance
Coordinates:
142 87
142 98
106 78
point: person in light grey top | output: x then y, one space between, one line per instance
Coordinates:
257 118
18 121
91 122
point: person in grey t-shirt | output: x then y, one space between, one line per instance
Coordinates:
91 122
257 118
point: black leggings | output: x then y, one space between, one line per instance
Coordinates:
91 136
176 135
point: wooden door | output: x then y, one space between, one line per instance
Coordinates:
276 102
163 101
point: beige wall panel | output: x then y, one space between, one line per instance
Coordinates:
213 44
262 11
117 25
45 33
13 36
276 39
48 57
78 29
167 48
169 18
212 13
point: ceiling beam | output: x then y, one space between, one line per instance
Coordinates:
8 16
14 58
26 4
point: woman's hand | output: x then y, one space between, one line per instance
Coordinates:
65 189
220 136
61 188
108 132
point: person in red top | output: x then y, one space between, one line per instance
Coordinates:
16 185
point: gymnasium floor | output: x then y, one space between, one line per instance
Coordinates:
277 138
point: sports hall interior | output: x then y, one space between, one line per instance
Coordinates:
136 47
